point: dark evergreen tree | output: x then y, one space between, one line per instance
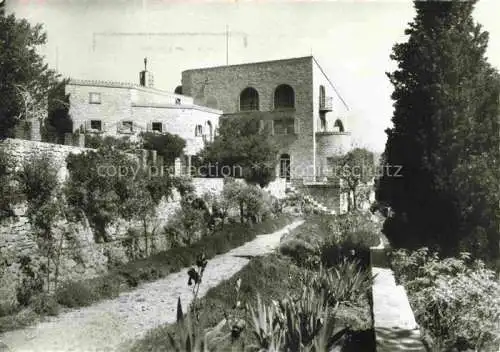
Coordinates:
445 135
21 69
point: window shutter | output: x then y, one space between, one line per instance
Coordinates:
104 126
149 127
87 125
272 127
163 127
296 126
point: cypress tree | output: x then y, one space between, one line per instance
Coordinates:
445 135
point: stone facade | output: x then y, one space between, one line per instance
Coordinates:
122 109
307 141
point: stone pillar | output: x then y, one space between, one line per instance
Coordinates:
35 134
154 155
159 159
189 166
81 140
68 139
144 158
177 167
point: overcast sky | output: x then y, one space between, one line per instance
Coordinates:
352 40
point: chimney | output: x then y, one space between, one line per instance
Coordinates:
146 77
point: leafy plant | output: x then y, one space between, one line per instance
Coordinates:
456 300
345 283
303 324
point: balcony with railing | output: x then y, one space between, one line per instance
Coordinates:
325 103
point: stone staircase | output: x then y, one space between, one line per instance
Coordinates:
309 200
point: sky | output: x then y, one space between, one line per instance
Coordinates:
352 40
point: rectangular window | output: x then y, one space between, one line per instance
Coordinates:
94 98
156 126
284 126
126 127
96 125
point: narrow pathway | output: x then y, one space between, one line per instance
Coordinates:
113 324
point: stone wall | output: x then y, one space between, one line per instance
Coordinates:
21 150
82 257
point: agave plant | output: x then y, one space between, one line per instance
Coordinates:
265 328
301 324
191 338
344 284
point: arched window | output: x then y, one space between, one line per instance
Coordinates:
284 97
178 90
338 124
198 131
249 99
322 96
210 131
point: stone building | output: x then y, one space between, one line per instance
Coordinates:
292 98
126 109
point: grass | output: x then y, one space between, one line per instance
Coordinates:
273 277
130 275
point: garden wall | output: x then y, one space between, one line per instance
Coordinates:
82 257
393 319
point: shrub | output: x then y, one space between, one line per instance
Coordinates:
97 142
106 287
6 188
45 304
101 197
75 294
456 300
183 185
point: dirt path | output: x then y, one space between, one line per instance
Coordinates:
113 324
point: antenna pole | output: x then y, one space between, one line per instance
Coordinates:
227 45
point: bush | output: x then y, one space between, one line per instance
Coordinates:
106 287
75 294
456 300
28 288
45 304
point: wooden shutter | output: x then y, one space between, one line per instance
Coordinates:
87 125
149 127
104 126
261 126
296 126
272 127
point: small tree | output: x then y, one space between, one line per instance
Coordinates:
169 146
242 150
356 171
38 181
22 70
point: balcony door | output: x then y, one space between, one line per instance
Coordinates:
285 167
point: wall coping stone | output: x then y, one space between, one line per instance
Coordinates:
393 319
